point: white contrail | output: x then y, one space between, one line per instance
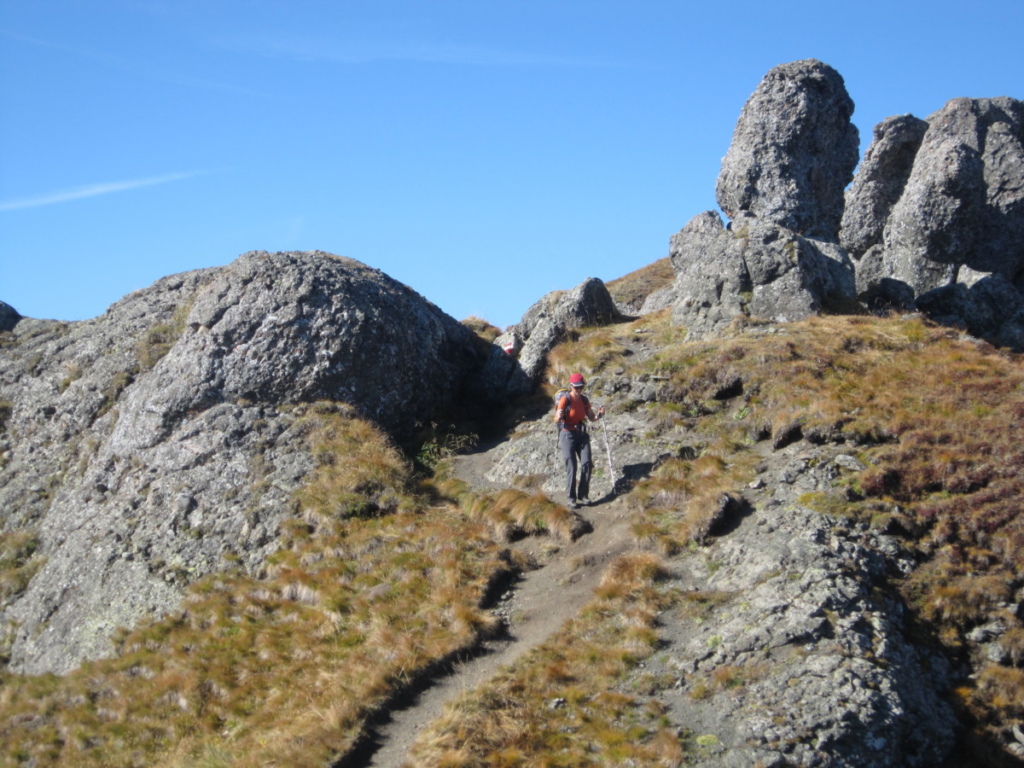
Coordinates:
93 190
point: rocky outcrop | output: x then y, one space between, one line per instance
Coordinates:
793 151
163 440
821 651
295 327
519 355
935 203
753 268
964 201
940 202
63 381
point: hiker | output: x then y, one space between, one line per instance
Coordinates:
572 408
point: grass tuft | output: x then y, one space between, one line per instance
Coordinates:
511 513
482 328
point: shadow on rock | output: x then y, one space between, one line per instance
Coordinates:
729 515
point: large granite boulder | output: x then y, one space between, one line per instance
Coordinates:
753 268
963 204
293 327
940 202
793 151
588 304
164 440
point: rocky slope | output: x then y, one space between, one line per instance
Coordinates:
158 442
801 660
791 639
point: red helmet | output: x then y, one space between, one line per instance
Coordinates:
577 380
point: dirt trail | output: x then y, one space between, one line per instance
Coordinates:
536 607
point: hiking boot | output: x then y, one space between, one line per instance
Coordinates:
573 504
586 502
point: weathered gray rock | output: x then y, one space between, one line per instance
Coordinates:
752 269
822 656
936 202
941 202
713 286
662 298
63 382
588 304
158 442
876 288
880 181
124 534
793 151
542 326
963 204
9 317
294 327
502 375
540 311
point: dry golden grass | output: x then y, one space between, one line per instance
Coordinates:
591 350
358 471
18 562
1002 689
511 513
482 328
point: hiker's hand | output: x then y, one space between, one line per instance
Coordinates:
600 412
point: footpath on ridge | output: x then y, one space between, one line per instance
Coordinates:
534 607
781 628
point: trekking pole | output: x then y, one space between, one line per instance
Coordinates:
608 448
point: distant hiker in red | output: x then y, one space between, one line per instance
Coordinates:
572 409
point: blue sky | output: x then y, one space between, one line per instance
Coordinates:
483 152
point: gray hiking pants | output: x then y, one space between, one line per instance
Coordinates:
575 445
